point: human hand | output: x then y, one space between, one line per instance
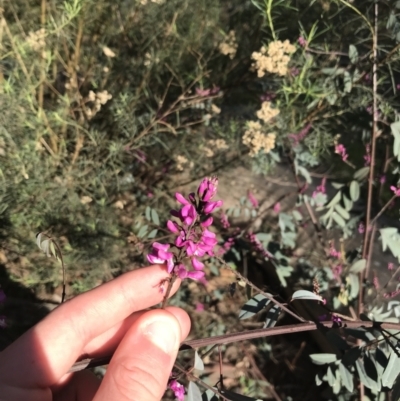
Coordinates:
107 319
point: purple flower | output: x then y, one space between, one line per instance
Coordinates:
211 206
3 323
178 389
184 273
188 214
172 226
395 190
252 199
207 222
207 188
159 255
181 199
197 265
302 42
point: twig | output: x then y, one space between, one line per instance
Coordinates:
247 335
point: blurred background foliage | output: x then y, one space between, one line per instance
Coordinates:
107 106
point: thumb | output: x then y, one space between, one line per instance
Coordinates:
142 363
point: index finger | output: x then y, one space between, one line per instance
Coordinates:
45 353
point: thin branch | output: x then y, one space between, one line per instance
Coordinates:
248 335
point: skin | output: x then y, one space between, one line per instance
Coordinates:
109 318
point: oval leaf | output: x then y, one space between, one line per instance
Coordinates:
323 359
359 266
198 363
253 306
354 191
303 294
193 392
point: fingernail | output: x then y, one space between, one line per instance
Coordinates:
163 334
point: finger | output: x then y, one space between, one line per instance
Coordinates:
141 365
50 348
82 386
108 342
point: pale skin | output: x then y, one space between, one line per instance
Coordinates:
109 318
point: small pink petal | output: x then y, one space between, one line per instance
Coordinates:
181 199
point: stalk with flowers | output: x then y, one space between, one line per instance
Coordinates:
193 239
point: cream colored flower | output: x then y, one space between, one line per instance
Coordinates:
257 141
274 59
229 46
266 112
108 52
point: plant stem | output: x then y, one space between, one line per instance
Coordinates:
248 335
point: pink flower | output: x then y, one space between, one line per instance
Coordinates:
211 206
207 222
159 255
172 226
390 266
178 389
181 199
299 136
184 273
341 150
150 194
361 228
395 190
188 214
224 220
382 180
199 307
252 200
277 207
197 265
207 188
302 42
3 323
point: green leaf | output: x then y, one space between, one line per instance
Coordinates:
154 217
253 306
272 316
367 381
153 233
335 200
354 282
343 212
358 266
347 377
337 185
348 204
392 370
148 213
353 54
338 219
143 230
297 215
198 363
348 82
395 128
359 175
303 294
354 190
323 359
193 392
